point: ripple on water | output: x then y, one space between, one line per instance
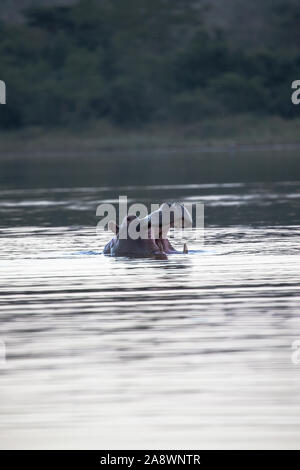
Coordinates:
195 349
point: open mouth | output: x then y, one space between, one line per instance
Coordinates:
167 216
159 222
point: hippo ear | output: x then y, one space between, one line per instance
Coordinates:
113 227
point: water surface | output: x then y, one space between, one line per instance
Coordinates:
192 352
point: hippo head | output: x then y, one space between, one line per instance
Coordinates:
147 237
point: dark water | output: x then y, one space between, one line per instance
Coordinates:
195 351
148 167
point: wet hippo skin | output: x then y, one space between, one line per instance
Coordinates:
152 233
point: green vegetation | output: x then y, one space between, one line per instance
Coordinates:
141 63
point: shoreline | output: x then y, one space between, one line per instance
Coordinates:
94 153
222 135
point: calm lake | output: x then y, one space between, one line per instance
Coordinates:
191 352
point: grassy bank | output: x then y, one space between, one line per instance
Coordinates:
236 131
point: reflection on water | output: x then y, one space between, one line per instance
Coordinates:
191 352
148 167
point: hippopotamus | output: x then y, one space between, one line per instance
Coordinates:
147 237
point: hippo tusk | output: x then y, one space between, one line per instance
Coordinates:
160 247
185 248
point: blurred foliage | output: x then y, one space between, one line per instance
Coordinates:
136 61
